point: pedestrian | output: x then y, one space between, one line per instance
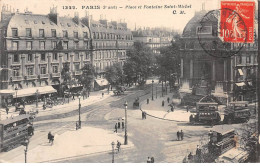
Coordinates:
7 110
147 101
144 115
187 108
123 124
102 94
182 135
118 145
172 108
190 156
168 99
23 103
52 139
73 96
77 125
178 135
49 137
118 126
152 159
163 103
148 160
115 128
198 153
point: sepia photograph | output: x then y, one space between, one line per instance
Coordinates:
127 81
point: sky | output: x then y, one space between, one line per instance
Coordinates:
139 18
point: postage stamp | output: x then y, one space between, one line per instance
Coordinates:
237 23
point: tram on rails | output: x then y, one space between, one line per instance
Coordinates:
14 131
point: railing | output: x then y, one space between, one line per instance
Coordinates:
31 77
55 74
44 75
77 72
17 78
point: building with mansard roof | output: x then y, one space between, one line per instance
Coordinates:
154 38
34 49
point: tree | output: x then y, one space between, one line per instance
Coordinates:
114 74
66 75
169 63
87 76
138 63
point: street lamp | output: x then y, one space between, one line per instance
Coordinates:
113 152
25 143
156 91
16 90
152 88
79 113
36 93
125 122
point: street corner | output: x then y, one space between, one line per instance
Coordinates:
85 141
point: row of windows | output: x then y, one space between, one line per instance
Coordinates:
54 45
102 66
43 70
53 33
248 58
54 57
100 35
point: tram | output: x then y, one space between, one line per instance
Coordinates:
14 131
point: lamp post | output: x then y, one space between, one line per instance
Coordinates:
156 91
16 90
125 123
152 88
113 152
79 113
36 93
26 143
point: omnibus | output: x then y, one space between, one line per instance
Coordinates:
237 111
14 131
206 113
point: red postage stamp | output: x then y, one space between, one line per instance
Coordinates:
237 21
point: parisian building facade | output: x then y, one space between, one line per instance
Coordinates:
154 38
34 48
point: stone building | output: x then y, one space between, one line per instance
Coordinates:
34 49
223 76
153 38
110 41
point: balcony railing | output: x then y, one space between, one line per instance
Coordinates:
55 74
44 75
30 77
77 72
17 78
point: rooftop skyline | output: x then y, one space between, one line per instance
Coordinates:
135 18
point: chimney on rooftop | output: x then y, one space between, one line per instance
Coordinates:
76 17
53 15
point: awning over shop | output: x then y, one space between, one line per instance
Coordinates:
6 92
101 82
240 72
32 91
240 84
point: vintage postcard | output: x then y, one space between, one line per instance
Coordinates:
127 81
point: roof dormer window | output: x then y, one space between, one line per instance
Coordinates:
43 22
35 22
68 24
26 21
61 24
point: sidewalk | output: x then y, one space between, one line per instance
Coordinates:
73 144
155 108
59 109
